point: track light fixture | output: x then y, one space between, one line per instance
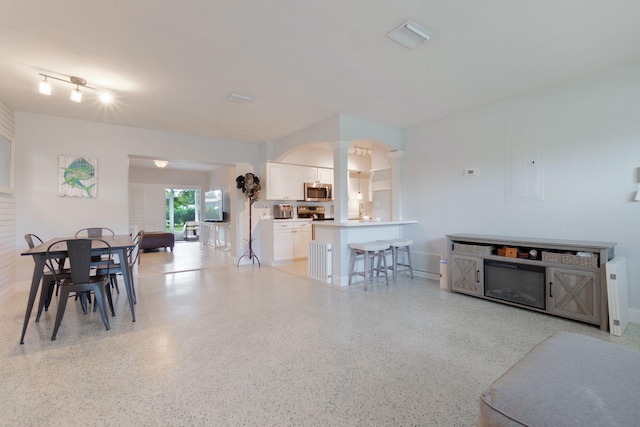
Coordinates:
76 94
360 151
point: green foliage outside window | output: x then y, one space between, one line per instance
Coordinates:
184 202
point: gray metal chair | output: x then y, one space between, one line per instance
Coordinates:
46 292
81 281
132 259
95 232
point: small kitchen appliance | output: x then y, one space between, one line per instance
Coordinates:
314 212
318 192
283 211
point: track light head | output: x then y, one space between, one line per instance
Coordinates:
45 87
106 97
76 95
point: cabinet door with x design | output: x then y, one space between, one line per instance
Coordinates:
574 294
467 274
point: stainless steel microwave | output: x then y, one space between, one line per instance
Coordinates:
317 192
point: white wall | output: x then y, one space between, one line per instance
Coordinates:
41 139
170 177
589 133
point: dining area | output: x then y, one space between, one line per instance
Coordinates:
84 267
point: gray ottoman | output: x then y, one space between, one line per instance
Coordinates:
567 380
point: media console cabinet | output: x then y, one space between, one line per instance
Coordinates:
560 277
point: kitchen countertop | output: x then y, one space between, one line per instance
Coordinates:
358 223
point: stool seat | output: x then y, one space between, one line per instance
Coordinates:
370 246
400 242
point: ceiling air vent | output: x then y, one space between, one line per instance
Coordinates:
410 34
238 97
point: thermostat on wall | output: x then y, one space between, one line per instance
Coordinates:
471 172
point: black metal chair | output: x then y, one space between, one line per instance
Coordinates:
132 259
81 281
46 293
95 232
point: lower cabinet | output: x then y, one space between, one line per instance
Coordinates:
574 294
285 240
301 239
467 274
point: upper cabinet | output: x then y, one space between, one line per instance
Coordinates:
322 175
325 175
310 174
284 182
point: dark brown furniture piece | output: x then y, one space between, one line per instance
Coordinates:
157 240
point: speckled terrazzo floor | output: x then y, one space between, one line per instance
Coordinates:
224 345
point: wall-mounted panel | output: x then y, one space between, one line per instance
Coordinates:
524 170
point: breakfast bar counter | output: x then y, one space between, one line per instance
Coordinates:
341 234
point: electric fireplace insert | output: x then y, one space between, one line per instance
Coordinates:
518 283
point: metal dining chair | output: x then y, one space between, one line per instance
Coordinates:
132 259
95 232
46 293
81 281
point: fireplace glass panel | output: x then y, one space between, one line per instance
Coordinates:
517 283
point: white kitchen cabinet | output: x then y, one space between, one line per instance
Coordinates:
322 175
310 174
284 182
301 239
285 240
325 175
283 244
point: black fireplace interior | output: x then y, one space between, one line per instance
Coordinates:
517 283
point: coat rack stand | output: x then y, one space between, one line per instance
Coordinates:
249 253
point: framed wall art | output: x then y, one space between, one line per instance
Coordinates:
78 177
6 165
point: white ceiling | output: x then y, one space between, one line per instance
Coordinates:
173 63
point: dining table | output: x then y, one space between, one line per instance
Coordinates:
120 246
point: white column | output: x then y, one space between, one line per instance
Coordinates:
340 180
396 184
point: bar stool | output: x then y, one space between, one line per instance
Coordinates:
369 251
396 246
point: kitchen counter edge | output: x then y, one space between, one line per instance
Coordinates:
357 223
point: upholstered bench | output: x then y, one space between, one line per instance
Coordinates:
157 240
567 380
